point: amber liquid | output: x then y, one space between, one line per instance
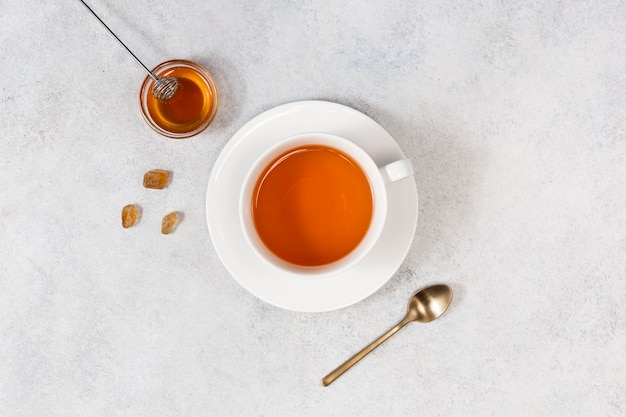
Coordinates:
312 206
190 106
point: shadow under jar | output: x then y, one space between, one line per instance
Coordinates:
190 110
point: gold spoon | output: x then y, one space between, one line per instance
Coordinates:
424 306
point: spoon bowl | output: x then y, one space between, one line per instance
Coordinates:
424 306
428 304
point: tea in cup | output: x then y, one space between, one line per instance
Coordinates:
315 203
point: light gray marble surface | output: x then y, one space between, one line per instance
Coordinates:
513 113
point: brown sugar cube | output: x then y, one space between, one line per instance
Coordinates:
155 179
168 225
130 214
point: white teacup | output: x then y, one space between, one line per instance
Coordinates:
377 177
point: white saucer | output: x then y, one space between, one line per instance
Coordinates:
287 290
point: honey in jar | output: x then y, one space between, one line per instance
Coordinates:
190 110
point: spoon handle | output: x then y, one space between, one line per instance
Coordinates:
328 379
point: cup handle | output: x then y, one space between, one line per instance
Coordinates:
396 171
